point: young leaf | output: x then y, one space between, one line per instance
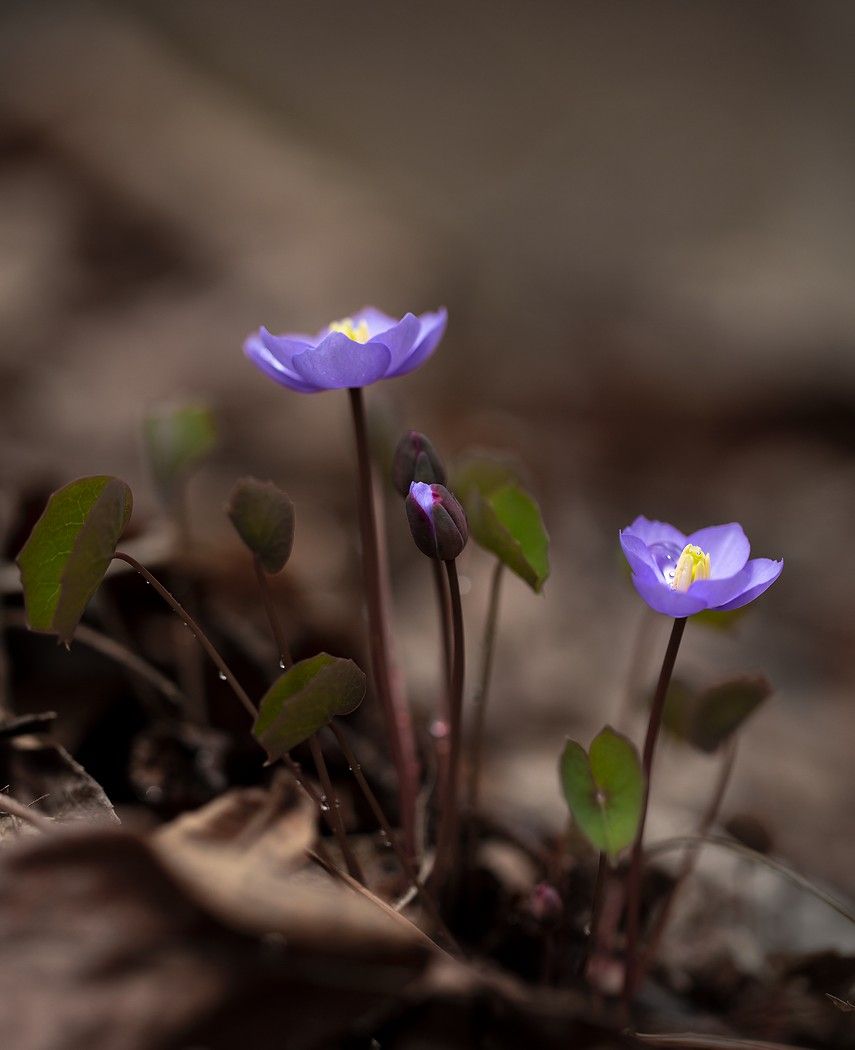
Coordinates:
504 517
264 518
507 522
304 699
484 472
720 710
69 550
604 790
707 719
177 438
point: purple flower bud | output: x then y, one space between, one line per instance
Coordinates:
437 521
416 460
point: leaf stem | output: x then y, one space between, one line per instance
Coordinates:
596 906
333 808
690 859
114 650
197 631
449 815
636 861
392 838
285 660
395 710
480 699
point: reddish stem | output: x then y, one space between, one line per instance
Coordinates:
399 724
636 861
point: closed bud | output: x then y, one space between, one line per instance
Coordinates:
437 521
416 460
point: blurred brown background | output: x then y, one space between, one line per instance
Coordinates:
641 218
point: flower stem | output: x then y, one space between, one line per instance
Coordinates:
395 710
197 631
334 810
285 660
480 698
636 861
448 819
389 834
444 620
690 858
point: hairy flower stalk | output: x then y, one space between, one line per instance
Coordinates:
395 709
440 530
348 355
679 576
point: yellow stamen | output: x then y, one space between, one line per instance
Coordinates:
357 332
693 564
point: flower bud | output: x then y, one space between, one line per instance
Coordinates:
437 521
416 460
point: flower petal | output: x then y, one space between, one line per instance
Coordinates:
261 357
664 599
760 574
376 320
431 329
637 553
399 340
284 347
727 546
338 362
655 532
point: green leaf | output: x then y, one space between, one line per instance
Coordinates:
177 438
304 699
264 518
604 790
507 522
707 719
722 709
504 517
69 550
484 472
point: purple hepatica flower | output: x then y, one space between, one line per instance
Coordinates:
354 352
682 575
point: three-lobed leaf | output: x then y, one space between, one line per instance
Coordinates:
177 438
264 518
604 790
69 551
504 517
304 699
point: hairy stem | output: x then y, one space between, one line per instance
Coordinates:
333 808
119 653
226 672
442 603
483 691
395 710
276 628
197 631
449 815
636 861
383 821
690 858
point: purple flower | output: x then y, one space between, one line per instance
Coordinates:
354 352
682 575
437 521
